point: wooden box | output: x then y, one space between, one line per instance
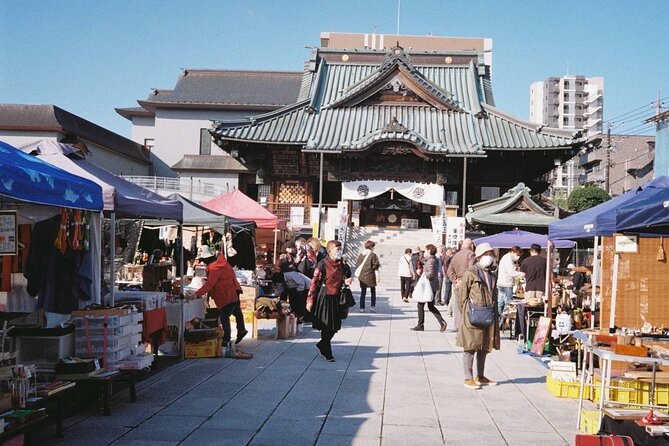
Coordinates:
630 350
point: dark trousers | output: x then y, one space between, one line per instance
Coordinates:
229 310
326 337
363 291
448 287
405 286
433 310
298 302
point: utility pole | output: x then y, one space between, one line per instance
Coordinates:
607 173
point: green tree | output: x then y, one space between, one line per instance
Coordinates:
586 197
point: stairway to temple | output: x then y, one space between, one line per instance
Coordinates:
390 245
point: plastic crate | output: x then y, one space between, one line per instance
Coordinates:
589 422
137 362
661 393
110 357
628 391
113 343
111 331
111 321
566 389
44 349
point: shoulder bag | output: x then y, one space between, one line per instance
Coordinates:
358 269
481 316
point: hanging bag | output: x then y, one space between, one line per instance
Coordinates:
358 269
481 316
422 292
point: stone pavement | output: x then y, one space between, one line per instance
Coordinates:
388 386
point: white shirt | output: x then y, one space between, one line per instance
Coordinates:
506 272
405 267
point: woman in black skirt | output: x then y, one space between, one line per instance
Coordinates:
330 275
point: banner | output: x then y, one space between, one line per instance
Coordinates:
426 193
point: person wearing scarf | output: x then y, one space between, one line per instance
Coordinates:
478 285
330 275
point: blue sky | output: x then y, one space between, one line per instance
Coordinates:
91 56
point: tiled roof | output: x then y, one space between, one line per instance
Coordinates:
209 163
334 118
515 208
261 89
52 118
130 112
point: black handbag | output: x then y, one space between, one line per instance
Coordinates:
346 298
480 316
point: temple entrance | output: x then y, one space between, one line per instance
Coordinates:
392 210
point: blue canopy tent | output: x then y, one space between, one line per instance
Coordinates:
650 216
601 219
28 179
523 239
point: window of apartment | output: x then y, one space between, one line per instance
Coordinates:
566 84
205 142
565 121
149 143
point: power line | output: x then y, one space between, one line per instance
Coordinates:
650 104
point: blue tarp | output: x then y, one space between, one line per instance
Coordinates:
601 219
126 199
523 239
26 178
650 215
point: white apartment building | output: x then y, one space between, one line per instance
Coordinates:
568 102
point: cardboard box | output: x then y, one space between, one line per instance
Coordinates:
102 312
207 349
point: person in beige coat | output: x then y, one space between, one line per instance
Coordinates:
478 285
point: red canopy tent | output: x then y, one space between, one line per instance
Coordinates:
237 205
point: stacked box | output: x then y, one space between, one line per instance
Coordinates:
112 338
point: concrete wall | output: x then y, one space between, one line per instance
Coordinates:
177 132
143 128
661 165
19 138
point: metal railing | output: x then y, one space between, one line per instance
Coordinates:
189 187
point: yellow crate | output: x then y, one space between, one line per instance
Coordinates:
661 393
565 389
206 349
589 422
629 392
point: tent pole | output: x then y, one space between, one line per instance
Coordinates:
181 300
595 278
112 249
614 294
276 233
320 197
548 308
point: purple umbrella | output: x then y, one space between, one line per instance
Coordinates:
524 239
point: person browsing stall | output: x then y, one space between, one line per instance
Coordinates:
534 268
478 286
507 272
223 287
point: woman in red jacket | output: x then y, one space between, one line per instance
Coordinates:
223 287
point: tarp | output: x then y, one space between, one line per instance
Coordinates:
26 178
601 219
523 239
127 199
650 215
237 205
196 215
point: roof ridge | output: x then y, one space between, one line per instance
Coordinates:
187 71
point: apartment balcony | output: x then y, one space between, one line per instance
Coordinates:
593 98
589 160
593 111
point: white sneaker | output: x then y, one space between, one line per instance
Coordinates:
372 309
362 310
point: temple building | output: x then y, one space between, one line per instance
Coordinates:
399 128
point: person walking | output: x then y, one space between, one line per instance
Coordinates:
330 275
407 274
431 271
507 272
460 262
534 268
223 287
367 272
446 283
478 286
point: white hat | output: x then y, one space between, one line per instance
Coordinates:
482 249
571 266
205 252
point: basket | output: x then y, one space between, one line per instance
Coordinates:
566 389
